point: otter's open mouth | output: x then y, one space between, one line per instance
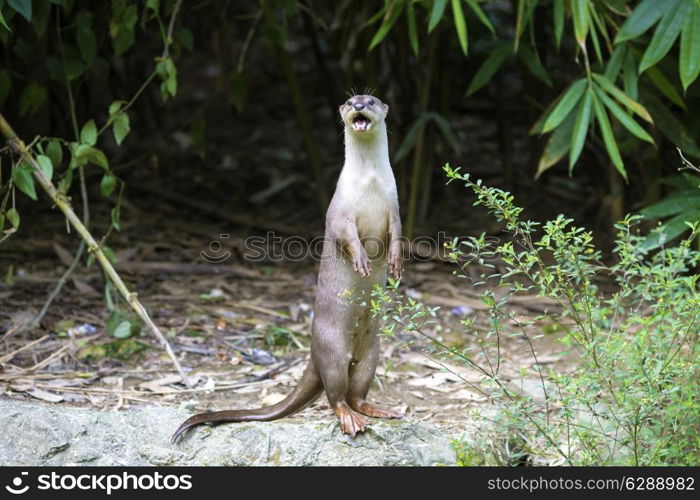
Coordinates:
361 122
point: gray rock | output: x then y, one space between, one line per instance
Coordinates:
36 434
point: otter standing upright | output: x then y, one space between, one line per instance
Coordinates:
362 242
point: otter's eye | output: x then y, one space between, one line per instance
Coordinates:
371 102
348 103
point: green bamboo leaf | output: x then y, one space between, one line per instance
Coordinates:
45 166
689 61
618 94
558 21
669 126
630 77
3 23
671 229
567 103
410 139
594 37
642 18
474 5
22 178
626 120
446 130
460 25
579 11
525 10
488 68
390 17
534 65
612 69
665 86
22 7
666 33
580 131
608 137
412 29
680 201
557 146
436 14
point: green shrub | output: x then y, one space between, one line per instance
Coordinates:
633 396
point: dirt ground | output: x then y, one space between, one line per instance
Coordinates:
240 329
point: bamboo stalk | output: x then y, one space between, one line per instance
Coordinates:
19 147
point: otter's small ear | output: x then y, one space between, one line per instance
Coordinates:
386 107
340 108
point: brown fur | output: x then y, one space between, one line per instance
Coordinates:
362 242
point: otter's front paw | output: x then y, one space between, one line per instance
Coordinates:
361 263
395 262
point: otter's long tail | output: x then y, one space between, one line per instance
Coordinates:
309 388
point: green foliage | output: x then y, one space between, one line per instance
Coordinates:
682 206
632 398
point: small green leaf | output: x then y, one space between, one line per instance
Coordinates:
460 25
666 33
608 137
88 135
626 120
474 5
45 166
618 94
55 152
13 217
121 127
689 61
436 14
107 185
488 68
123 330
22 178
642 18
412 28
565 105
87 154
580 131
115 215
22 7
85 36
392 14
115 107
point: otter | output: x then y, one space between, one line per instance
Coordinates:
362 243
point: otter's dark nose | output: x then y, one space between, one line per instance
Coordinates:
359 106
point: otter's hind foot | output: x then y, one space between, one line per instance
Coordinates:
350 422
370 410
